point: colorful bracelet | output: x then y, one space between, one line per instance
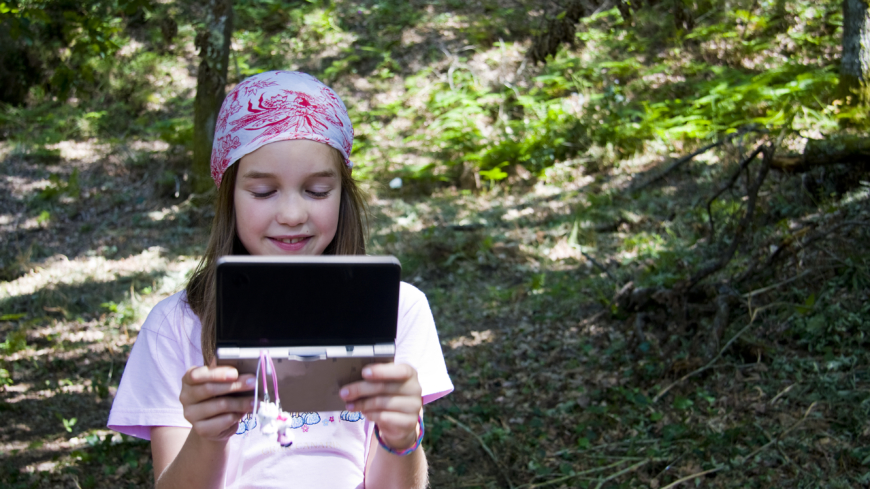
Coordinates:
408 450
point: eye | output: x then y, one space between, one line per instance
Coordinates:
262 195
318 195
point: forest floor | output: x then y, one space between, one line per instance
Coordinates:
554 387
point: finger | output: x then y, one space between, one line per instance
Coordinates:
201 375
363 389
216 407
402 404
388 372
218 426
192 394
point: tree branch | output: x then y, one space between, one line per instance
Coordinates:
689 157
730 183
742 226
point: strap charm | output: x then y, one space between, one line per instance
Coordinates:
271 418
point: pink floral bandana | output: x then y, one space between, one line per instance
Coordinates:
278 106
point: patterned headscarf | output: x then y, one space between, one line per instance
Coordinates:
278 106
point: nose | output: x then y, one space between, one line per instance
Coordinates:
292 211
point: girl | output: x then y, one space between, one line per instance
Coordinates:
281 162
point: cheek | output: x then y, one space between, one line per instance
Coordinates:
246 218
329 218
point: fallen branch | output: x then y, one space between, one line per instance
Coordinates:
689 157
484 446
841 149
792 239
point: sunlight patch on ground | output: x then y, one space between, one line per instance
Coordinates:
61 270
86 151
476 338
563 250
23 187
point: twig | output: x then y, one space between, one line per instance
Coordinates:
483 445
777 285
600 266
782 393
781 435
568 477
705 367
693 476
623 472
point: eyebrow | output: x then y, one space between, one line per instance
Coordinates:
254 175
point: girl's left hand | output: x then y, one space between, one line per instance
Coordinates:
390 396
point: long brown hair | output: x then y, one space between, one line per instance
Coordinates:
350 239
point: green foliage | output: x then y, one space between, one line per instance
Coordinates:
67 423
57 187
15 341
829 324
122 314
67 36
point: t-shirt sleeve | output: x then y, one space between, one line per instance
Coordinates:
417 344
148 393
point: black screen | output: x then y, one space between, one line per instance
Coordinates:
306 304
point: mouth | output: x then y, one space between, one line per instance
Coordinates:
290 240
290 243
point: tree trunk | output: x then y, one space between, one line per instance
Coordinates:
855 67
213 42
559 23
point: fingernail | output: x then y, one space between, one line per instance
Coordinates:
350 406
251 381
344 392
366 372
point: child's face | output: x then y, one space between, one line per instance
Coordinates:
287 198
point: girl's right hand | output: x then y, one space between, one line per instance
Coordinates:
214 415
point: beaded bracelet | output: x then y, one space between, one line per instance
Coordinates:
402 453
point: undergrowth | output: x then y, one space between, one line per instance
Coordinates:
520 211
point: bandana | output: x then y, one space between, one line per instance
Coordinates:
278 106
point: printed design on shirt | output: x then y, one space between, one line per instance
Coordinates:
352 416
248 423
303 420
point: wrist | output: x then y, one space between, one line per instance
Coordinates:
404 442
396 450
207 443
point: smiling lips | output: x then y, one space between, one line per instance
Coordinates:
290 243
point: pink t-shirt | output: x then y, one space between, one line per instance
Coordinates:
330 448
